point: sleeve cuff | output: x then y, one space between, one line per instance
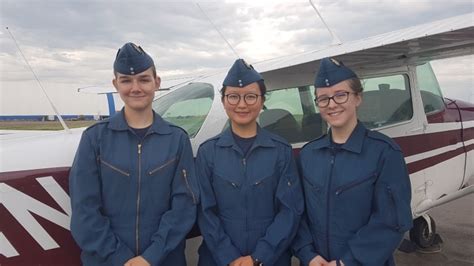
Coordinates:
121 255
260 255
226 256
306 254
348 259
153 254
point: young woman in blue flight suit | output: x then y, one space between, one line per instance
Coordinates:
132 184
251 198
356 184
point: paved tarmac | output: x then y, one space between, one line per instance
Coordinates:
454 223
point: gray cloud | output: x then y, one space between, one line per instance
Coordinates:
74 42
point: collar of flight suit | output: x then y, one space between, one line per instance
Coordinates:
118 122
353 144
263 139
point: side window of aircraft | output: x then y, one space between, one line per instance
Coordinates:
385 101
187 106
429 89
290 113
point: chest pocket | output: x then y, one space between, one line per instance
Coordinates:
357 184
162 167
227 190
159 181
354 199
116 180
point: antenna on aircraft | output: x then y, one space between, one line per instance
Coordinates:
39 83
335 39
220 33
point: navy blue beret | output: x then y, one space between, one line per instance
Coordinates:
332 72
241 74
132 59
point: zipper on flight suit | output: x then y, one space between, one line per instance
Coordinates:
185 176
353 184
112 167
244 164
161 166
137 220
328 197
394 202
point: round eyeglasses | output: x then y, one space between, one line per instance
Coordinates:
249 98
339 98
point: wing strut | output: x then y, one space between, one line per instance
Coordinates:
335 39
218 31
39 83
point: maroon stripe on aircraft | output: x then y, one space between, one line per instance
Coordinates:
416 144
421 143
469 148
30 252
431 161
34 173
468 133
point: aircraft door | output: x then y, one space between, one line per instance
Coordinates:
442 157
389 105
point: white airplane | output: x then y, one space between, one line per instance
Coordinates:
401 98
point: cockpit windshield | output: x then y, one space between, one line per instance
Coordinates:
187 106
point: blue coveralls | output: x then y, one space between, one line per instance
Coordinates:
130 196
357 199
249 205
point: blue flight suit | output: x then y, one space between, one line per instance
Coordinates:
133 197
357 199
250 205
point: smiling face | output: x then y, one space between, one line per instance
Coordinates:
137 91
243 115
339 116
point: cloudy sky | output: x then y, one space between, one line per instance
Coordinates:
72 43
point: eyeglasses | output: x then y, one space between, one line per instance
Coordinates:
249 98
339 98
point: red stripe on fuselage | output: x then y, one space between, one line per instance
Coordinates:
421 143
30 252
416 144
434 160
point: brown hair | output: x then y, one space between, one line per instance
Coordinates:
355 85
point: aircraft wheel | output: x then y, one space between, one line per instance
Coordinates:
420 234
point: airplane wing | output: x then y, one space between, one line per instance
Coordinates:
416 45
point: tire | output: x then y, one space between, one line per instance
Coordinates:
420 233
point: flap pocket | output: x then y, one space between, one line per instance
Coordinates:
113 167
162 166
232 181
265 179
355 183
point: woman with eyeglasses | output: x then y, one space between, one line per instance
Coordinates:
251 198
356 184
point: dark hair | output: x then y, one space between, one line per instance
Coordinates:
261 86
153 68
355 85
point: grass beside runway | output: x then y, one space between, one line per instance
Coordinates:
42 125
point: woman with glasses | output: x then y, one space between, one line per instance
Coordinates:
251 199
356 184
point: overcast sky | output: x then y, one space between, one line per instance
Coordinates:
73 43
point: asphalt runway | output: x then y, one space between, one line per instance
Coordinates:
454 223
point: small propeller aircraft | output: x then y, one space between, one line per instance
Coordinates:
401 98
